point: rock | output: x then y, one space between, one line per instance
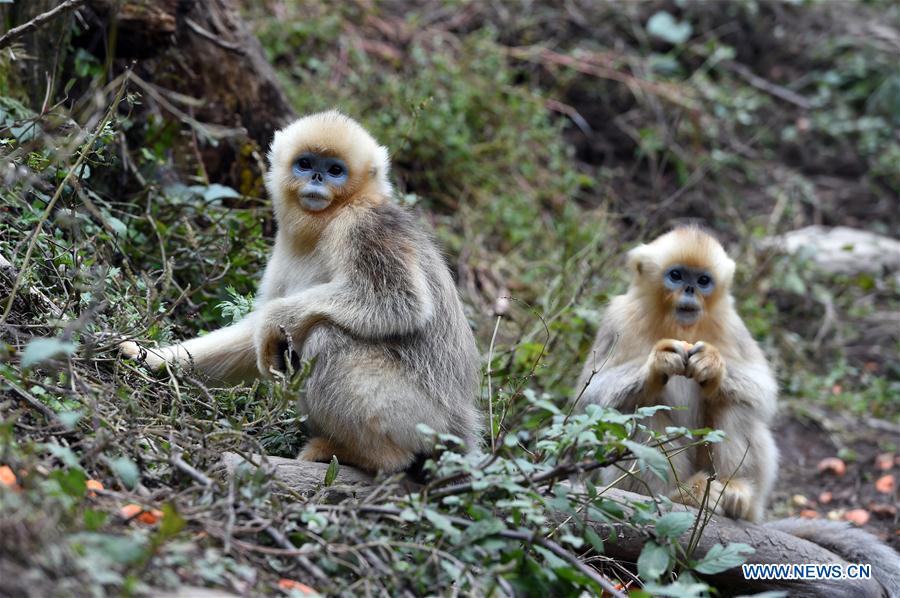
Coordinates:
841 250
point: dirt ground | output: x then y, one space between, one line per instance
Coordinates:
869 453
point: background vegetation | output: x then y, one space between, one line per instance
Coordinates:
541 142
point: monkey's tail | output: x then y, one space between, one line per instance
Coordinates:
852 544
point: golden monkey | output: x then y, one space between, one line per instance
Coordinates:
674 338
356 283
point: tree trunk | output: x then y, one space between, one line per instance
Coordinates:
772 546
196 61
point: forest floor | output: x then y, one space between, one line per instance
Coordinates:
540 145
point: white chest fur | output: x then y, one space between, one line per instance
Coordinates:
288 273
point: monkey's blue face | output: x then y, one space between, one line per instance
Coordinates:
321 179
690 286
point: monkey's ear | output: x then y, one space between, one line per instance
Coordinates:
382 160
638 259
726 271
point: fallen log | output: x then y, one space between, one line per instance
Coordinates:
771 546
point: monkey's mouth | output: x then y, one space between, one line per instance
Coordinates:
314 201
687 314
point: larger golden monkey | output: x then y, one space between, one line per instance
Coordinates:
355 283
675 339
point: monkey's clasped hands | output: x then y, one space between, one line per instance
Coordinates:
700 361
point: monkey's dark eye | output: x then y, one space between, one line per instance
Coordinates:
675 274
304 163
335 170
704 280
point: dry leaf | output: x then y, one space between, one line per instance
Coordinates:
832 465
798 500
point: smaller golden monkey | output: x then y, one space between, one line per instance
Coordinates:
674 338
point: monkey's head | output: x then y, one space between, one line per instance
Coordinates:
685 273
321 162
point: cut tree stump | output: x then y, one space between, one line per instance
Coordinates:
772 546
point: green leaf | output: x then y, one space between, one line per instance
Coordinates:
215 191
649 458
662 25
672 525
172 522
126 470
333 468
119 549
594 538
64 454
721 558
443 524
70 418
653 562
72 481
94 520
39 350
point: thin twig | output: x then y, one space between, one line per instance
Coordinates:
209 36
17 32
490 388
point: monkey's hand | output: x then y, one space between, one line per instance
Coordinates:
152 358
281 327
706 366
668 358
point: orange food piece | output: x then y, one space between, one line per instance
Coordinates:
146 516
150 517
809 514
825 497
130 510
832 465
857 516
885 484
290 584
93 485
7 477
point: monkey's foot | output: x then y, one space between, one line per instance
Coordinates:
319 449
693 492
151 357
738 500
735 498
706 366
378 455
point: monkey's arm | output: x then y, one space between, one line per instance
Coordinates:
380 292
634 383
226 354
739 398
